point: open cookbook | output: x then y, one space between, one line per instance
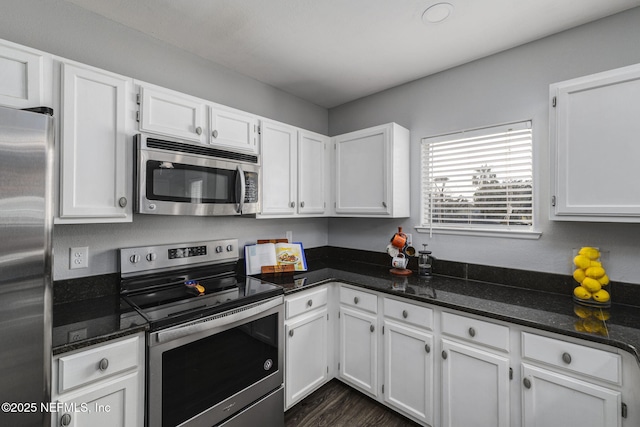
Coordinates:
274 254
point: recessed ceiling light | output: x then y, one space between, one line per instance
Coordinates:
437 13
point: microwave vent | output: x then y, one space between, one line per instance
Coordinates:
201 151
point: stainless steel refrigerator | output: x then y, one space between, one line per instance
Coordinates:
26 144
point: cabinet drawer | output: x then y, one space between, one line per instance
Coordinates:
572 357
359 299
305 302
100 362
474 330
408 313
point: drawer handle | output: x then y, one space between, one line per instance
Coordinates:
526 382
291 332
444 355
104 364
472 332
372 328
427 348
356 300
566 358
310 303
65 420
405 313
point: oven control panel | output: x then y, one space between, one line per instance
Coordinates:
146 259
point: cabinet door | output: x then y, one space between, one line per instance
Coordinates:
593 126
279 168
233 130
358 350
363 172
551 399
305 356
113 404
21 77
95 171
172 114
312 173
408 373
475 387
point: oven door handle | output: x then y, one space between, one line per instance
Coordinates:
240 189
215 321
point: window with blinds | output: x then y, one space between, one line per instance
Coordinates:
479 179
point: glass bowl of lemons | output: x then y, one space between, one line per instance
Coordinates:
593 287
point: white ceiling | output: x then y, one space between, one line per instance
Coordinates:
333 51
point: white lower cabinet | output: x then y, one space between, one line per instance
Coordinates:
475 387
552 399
307 344
102 385
408 370
359 349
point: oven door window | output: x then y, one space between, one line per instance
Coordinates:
176 182
201 374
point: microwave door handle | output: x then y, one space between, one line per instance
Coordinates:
240 189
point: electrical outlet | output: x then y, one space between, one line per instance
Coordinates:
289 235
409 239
78 257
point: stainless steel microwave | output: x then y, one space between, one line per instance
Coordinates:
175 177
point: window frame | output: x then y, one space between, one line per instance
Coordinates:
518 232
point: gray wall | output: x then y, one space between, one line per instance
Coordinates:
63 29
505 87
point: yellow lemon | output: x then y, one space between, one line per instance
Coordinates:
581 293
601 296
591 285
582 261
594 272
579 275
596 264
589 252
604 280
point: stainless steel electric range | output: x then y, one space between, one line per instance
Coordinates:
215 345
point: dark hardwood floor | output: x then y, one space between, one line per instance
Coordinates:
336 404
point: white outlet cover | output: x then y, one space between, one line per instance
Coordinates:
78 257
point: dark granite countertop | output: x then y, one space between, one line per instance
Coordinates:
553 312
89 310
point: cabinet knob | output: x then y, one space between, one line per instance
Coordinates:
444 355
122 202
292 204
290 332
372 328
356 300
214 133
384 204
427 348
104 364
472 332
65 420
526 382
310 303
566 358
302 204
199 130
405 313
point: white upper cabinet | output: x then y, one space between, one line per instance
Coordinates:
169 113
233 129
372 172
95 172
594 128
313 173
25 77
294 171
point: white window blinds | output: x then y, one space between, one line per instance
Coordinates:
481 179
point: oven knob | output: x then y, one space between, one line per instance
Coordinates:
229 248
151 257
218 249
134 259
